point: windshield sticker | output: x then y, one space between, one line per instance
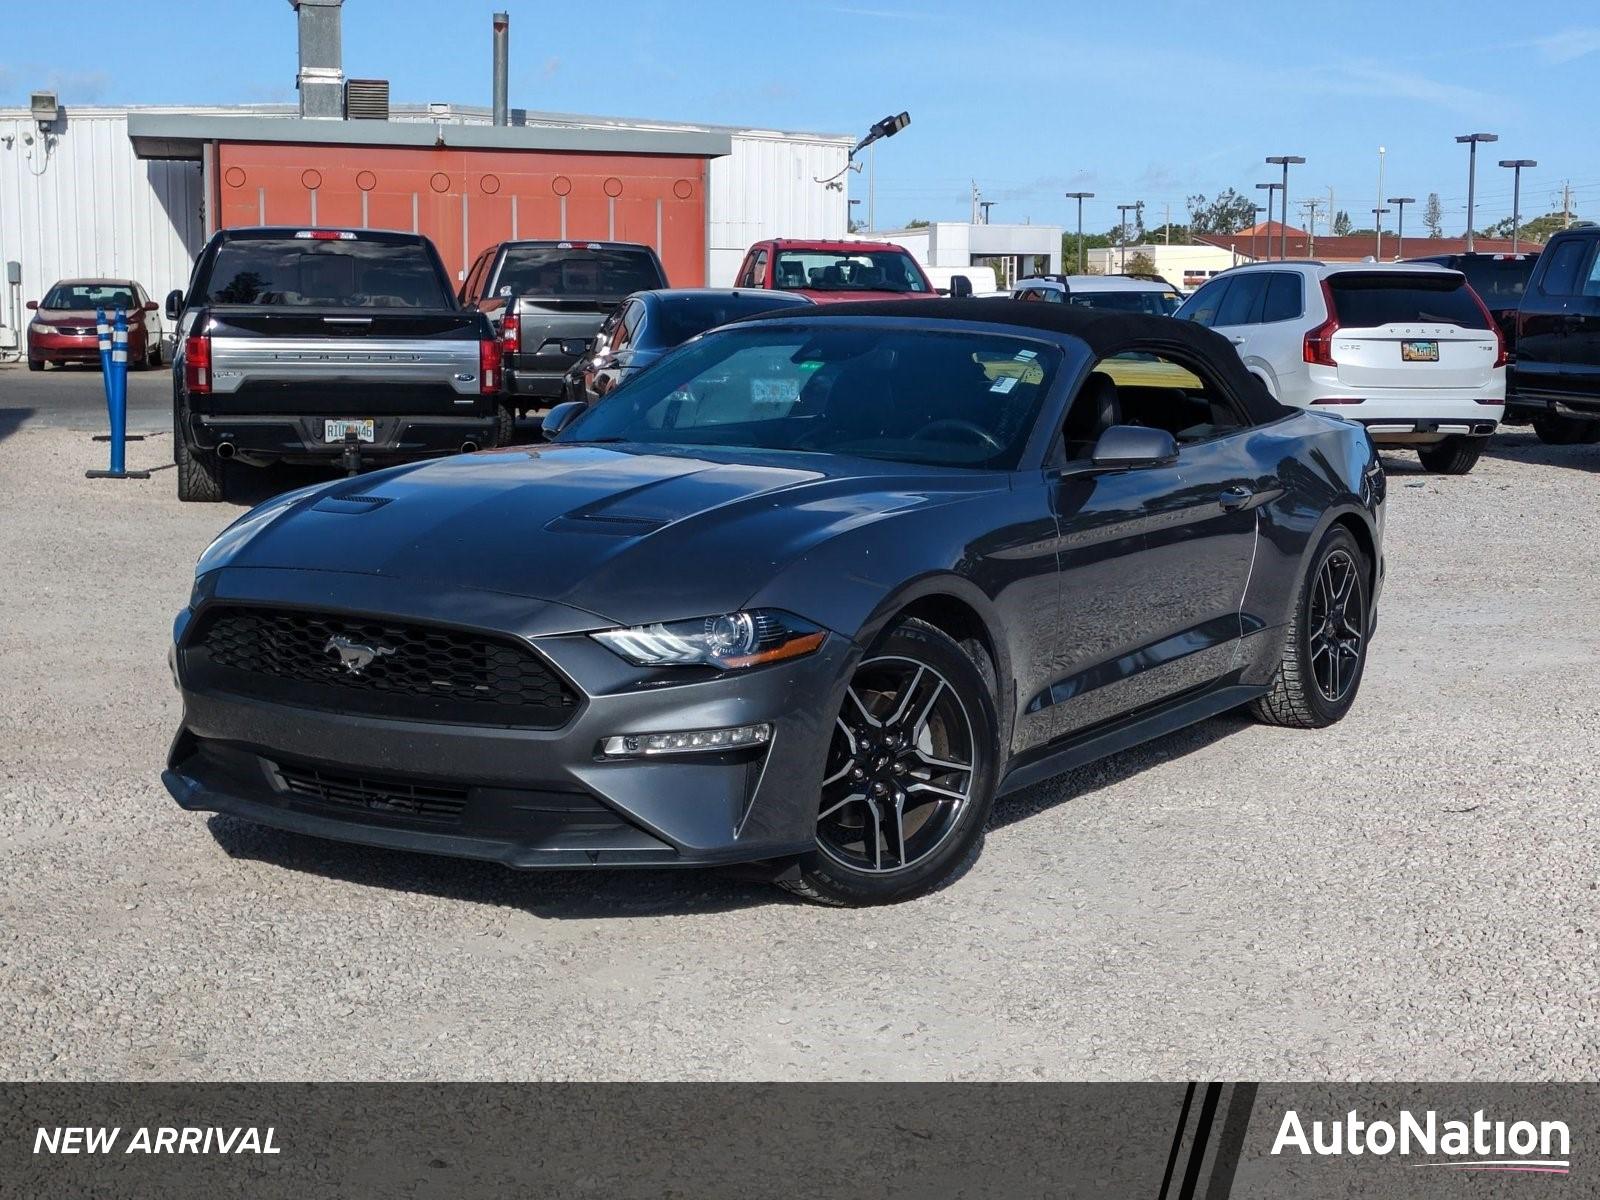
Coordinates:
810 366
1004 384
1027 355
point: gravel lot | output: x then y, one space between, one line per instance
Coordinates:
1410 895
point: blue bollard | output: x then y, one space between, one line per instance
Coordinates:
114 357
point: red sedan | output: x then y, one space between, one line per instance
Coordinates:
63 329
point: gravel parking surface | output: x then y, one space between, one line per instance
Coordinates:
1410 895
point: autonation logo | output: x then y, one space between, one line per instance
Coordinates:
1476 1145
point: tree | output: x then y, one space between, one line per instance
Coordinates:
916 223
1341 224
1228 212
1433 216
1180 234
1069 248
1536 229
1141 264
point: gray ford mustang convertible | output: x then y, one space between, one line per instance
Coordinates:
810 592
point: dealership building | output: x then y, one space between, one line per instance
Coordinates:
133 192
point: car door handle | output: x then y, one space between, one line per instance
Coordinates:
1237 341
1234 498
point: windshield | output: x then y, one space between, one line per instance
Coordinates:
1363 301
1156 303
848 271
677 319
1500 281
578 272
327 273
942 399
89 295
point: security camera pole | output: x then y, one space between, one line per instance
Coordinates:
1080 197
1400 203
1284 160
1472 140
1516 165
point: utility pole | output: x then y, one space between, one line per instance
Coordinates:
975 201
1080 197
1166 220
1566 204
1400 203
1311 207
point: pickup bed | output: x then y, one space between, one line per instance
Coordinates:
546 301
326 346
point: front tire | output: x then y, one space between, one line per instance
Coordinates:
1454 456
1325 648
910 774
36 364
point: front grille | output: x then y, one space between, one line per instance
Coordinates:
374 665
397 796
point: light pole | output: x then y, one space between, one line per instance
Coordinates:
1516 165
1400 203
1269 188
1284 160
1122 233
850 219
1472 140
1381 153
1378 221
888 127
1080 197
1256 212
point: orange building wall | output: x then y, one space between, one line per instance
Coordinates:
485 195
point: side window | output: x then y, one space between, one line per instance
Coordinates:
758 270
628 327
1283 302
1242 304
473 288
1591 285
1160 389
1561 275
1203 305
1029 294
744 276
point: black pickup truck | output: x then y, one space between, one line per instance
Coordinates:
1555 378
326 346
547 300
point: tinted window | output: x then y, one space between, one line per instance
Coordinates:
1202 306
1158 391
1242 304
944 399
680 318
1156 304
577 271
1500 281
849 271
1370 301
1561 276
1283 301
89 295
332 274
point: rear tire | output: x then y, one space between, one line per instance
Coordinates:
910 776
1320 670
1565 431
505 426
1453 456
201 476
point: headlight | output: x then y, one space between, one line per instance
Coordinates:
728 641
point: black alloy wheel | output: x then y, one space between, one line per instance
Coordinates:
1337 626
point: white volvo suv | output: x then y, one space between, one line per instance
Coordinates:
1406 349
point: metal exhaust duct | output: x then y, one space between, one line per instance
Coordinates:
502 40
321 77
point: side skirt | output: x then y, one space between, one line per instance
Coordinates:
1124 735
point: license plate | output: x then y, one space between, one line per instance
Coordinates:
1419 351
334 431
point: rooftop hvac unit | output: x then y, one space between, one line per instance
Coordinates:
366 99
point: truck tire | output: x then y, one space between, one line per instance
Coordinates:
505 426
200 475
1453 456
1565 431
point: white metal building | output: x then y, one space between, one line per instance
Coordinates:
1012 250
1187 264
78 201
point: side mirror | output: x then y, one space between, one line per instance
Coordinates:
1135 446
33 305
960 287
559 417
174 304
150 306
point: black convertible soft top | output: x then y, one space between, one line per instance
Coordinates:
1104 331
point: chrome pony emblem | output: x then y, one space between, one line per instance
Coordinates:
355 656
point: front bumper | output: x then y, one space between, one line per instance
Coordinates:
261 439
63 347
524 797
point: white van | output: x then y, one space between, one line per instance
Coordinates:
981 278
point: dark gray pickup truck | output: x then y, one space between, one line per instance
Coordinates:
547 300
326 346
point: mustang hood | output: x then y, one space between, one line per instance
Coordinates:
630 536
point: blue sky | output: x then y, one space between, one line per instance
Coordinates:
1144 102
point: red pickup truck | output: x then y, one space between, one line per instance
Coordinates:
827 271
